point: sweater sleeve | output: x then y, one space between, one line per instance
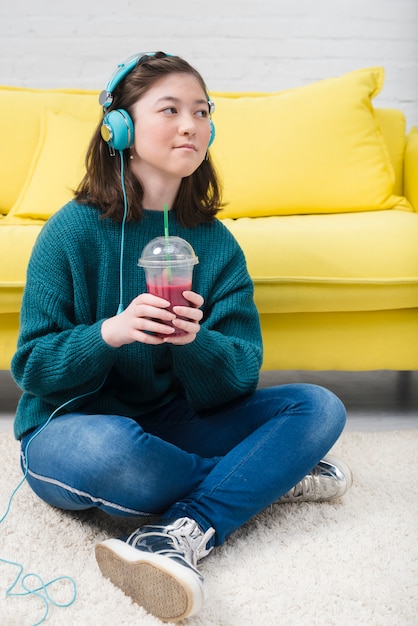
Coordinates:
224 360
59 349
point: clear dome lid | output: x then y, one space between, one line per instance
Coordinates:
172 249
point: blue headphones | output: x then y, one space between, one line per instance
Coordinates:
117 127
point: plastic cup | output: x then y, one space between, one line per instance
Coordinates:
168 263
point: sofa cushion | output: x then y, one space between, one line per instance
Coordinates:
339 262
312 149
410 167
57 166
392 123
245 179
20 126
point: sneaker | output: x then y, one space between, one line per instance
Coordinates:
330 479
156 567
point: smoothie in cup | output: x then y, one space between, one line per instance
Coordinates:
168 263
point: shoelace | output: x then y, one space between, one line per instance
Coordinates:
193 542
185 534
303 489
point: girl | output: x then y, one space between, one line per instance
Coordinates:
119 411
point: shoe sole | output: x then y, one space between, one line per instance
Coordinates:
162 587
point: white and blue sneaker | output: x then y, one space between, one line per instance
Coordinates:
156 567
328 480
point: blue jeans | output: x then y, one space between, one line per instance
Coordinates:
219 467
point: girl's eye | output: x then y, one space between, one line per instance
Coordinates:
171 110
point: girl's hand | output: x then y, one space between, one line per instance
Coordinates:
137 321
190 326
144 316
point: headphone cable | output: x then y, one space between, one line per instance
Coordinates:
122 242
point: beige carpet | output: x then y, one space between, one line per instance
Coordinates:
350 563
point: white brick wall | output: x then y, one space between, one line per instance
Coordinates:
238 45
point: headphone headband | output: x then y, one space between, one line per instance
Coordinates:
121 70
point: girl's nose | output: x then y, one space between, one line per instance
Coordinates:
187 125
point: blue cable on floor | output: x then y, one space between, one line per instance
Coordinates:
41 591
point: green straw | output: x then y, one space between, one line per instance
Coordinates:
166 234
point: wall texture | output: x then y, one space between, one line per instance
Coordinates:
238 45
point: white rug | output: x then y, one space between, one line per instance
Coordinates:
354 562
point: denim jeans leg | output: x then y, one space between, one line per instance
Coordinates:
83 461
219 467
294 427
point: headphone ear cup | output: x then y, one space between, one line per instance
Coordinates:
212 133
118 129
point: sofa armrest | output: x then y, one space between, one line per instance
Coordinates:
411 168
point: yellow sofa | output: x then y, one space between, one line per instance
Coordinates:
321 191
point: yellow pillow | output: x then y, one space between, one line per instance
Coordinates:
312 149
57 166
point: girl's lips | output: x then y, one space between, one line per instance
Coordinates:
187 146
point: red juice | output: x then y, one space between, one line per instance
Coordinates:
173 292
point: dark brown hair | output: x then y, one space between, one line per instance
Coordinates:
199 197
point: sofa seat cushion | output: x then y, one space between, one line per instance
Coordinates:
338 262
16 243
311 263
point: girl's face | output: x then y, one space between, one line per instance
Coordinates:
172 130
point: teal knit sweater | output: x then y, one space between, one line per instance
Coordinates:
73 286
